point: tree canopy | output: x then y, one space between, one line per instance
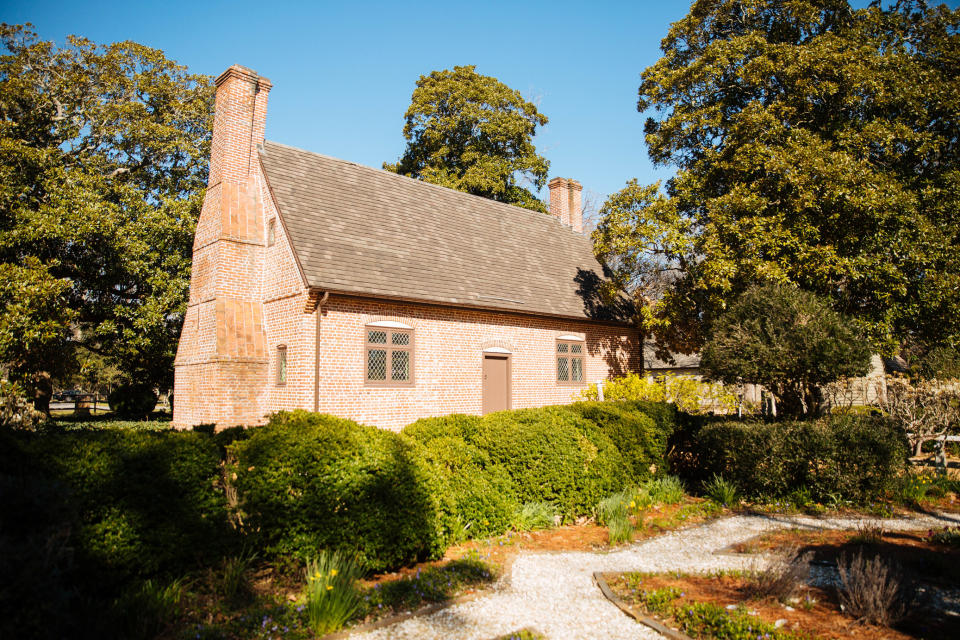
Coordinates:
103 164
475 134
788 340
815 145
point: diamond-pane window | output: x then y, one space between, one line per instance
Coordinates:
570 361
576 369
376 364
401 365
389 356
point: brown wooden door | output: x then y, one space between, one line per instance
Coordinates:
496 383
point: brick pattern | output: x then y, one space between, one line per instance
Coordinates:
566 202
248 299
448 359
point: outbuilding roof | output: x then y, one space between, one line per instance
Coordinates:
371 232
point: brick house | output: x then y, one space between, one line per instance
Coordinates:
324 285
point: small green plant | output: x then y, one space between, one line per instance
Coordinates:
619 529
332 594
801 497
522 634
948 535
148 611
234 581
721 491
914 487
666 490
434 584
614 512
534 515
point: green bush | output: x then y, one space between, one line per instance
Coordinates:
149 501
640 439
479 496
136 400
553 456
851 457
311 481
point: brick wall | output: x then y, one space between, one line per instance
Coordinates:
248 298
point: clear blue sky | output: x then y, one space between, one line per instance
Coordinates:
343 72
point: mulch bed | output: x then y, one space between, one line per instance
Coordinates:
816 611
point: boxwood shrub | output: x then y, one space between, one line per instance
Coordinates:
147 502
640 440
552 455
853 457
312 481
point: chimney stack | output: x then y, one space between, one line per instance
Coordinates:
222 360
565 202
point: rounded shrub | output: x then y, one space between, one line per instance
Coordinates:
635 435
481 498
552 455
311 481
149 501
135 400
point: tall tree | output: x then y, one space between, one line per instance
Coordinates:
475 134
103 163
815 145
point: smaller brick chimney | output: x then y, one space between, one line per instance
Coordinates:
565 202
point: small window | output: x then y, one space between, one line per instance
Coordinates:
570 361
282 365
389 356
271 232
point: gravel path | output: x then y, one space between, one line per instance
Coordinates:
554 593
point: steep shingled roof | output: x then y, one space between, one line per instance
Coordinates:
371 232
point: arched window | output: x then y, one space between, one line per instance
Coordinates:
388 354
570 354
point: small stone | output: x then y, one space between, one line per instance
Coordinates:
731 606
789 608
779 623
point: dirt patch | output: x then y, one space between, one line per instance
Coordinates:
914 552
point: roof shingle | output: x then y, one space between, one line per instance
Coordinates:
371 232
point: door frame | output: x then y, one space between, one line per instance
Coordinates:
498 355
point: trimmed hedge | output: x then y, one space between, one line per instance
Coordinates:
852 457
640 440
88 512
312 481
482 501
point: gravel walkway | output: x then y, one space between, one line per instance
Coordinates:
554 593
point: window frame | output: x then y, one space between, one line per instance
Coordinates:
569 357
390 348
282 364
271 232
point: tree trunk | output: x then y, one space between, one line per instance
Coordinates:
42 393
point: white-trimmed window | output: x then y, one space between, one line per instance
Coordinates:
570 355
388 354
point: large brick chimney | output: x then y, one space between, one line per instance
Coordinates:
565 202
222 359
